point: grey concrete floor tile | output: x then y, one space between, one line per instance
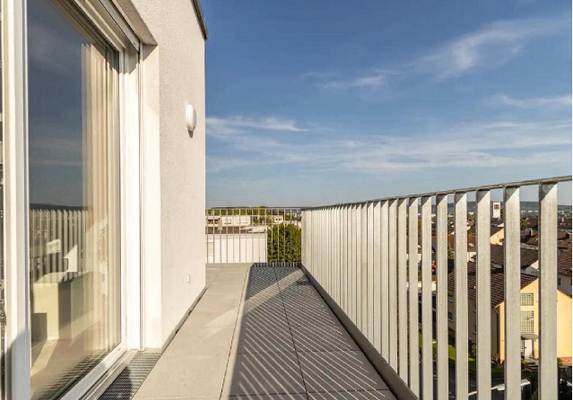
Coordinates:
286 396
338 371
322 338
259 338
200 341
310 318
184 377
353 395
265 319
228 300
268 373
213 318
213 307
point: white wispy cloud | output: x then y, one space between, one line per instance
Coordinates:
219 127
489 47
483 144
217 164
535 102
374 80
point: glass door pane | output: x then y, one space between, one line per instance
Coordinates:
74 197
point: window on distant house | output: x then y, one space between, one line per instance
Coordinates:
450 297
526 299
475 307
559 281
527 322
475 328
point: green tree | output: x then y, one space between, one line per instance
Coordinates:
284 243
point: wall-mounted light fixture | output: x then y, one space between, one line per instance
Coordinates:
190 118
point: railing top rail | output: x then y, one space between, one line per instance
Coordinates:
530 182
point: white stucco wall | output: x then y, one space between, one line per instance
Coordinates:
173 242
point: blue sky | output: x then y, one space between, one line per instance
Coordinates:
315 102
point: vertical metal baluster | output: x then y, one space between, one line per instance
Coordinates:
291 240
376 276
285 224
483 293
302 238
512 303
207 235
547 292
353 274
327 249
214 227
333 261
427 362
338 254
402 294
253 235
461 277
42 247
364 270
343 258
370 290
442 296
33 246
220 241
413 292
359 277
384 273
330 231
393 284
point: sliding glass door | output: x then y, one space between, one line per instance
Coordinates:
75 309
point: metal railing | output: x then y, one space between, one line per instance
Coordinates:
58 241
248 235
360 253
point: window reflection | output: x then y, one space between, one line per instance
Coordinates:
74 198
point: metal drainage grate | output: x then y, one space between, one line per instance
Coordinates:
131 378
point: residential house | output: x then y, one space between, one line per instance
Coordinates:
471 244
529 313
564 272
529 259
496 235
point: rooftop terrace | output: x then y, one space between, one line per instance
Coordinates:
262 331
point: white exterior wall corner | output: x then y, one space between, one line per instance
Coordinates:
173 75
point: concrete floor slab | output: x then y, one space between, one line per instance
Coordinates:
273 373
322 338
264 339
184 377
199 341
354 395
223 318
262 333
334 371
287 396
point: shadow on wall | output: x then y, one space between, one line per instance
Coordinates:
291 344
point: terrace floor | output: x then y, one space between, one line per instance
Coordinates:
262 332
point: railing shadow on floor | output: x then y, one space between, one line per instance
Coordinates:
290 345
